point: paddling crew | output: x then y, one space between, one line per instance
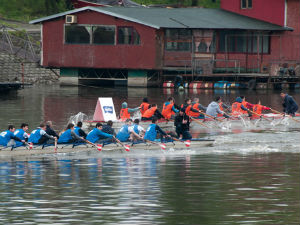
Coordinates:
187 106
182 124
8 138
257 109
79 131
213 109
237 108
223 107
151 113
125 111
49 129
39 136
246 104
196 105
69 135
97 135
108 128
126 132
169 109
152 131
144 106
21 134
290 106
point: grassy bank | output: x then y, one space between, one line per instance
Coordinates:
26 10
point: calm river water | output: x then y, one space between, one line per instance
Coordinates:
246 178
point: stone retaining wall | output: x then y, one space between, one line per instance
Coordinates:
11 71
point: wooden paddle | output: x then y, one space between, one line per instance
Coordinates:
55 144
161 145
215 118
187 142
259 115
126 147
284 114
199 122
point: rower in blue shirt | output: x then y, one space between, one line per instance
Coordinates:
7 137
98 136
69 135
78 130
39 136
126 133
152 131
21 134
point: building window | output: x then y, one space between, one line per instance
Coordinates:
246 4
244 42
178 39
77 34
128 36
103 35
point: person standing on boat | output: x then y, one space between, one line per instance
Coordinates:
237 107
197 106
151 113
213 109
39 136
97 135
21 133
125 111
78 130
290 106
182 124
50 130
127 132
257 109
169 109
152 131
69 135
108 128
8 138
144 106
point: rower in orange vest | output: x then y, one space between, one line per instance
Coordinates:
187 106
169 109
144 106
258 108
125 111
197 106
222 107
151 113
246 104
237 107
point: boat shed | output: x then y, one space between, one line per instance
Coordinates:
138 46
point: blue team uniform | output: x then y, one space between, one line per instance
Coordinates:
136 128
123 133
151 132
96 134
35 136
5 137
19 133
65 137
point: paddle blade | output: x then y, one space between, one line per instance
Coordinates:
163 146
30 145
127 148
99 147
187 143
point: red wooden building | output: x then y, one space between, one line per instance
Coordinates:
139 45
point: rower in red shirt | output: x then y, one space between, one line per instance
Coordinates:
258 108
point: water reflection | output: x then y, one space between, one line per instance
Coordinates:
231 189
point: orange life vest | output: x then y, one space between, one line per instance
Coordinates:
144 106
187 109
149 112
124 114
258 110
194 114
167 111
221 108
236 108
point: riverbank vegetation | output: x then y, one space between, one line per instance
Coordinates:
25 10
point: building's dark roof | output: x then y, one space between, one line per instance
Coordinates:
202 18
